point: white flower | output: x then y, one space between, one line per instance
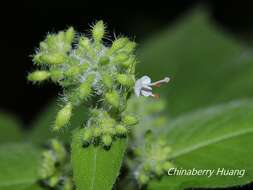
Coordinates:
143 86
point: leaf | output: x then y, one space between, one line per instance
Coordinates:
94 167
42 126
206 65
10 128
217 137
19 167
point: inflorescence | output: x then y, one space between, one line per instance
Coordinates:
55 170
151 152
90 72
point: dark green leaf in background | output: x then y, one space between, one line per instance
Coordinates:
217 137
206 65
19 167
10 128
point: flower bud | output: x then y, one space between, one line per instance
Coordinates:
113 99
118 44
84 42
129 120
43 46
73 71
98 31
167 165
68 184
159 169
56 75
69 35
38 76
129 47
87 135
143 179
107 80
107 140
121 130
104 60
97 132
129 62
121 57
85 87
47 168
107 122
59 150
37 58
53 181
125 80
53 58
63 117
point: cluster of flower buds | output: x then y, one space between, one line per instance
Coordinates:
53 171
89 72
102 128
153 159
151 151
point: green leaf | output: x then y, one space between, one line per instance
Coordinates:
217 137
19 167
42 126
10 128
94 167
206 65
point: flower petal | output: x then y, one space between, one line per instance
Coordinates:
145 80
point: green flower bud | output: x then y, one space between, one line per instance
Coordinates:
68 184
129 120
109 130
56 75
63 117
113 99
97 132
60 37
129 47
104 60
73 71
85 87
121 57
107 80
98 31
118 44
84 42
159 169
167 165
59 150
53 58
47 168
43 46
83 67
107 140
87 135
38 76
107 122
129 62
53 181
37 58
143 179
125 80
69 35
121 130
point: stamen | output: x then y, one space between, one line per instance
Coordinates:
158 83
